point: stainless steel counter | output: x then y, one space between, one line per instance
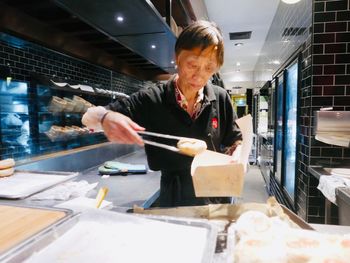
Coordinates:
318 171
124 191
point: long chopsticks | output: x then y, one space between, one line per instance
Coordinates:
155 134
160 145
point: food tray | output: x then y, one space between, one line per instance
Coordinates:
105 236
25 183
224 216
227 212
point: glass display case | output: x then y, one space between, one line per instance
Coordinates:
286 130
14 114
44 116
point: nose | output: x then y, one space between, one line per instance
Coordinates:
199 73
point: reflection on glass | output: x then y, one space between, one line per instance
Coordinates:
15 132
290 131
279 128
26 120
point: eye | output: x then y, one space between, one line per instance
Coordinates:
193 65
209 68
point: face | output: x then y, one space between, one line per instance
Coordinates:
195 67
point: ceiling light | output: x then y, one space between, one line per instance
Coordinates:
153 46
172 62
275 62
239 44
289 2
120 18
238 64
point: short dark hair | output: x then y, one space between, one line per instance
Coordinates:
201 34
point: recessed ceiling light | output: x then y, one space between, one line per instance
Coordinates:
238 64
239 44
153 46
275 62
120 18
289 2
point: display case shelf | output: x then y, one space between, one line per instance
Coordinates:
27 117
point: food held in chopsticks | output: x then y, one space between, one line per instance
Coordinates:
187 146
191 146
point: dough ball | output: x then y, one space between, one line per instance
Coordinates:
251 223
260 249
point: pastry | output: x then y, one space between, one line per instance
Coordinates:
191 147
7 163
7 172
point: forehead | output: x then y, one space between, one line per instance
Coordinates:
199 53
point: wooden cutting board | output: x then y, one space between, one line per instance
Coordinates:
20 223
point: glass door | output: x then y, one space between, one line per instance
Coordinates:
290 129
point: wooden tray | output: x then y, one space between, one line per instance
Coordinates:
20 223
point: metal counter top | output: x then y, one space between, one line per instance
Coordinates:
129 190
318 171
124 191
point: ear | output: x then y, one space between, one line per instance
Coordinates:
176 59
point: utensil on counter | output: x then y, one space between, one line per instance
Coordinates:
101 196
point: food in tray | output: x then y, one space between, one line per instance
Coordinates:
260 239
191 146
7 167
252 222
57 104
70 106
81 105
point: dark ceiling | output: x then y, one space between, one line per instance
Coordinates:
73 27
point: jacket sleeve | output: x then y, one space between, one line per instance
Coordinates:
135 107
232 132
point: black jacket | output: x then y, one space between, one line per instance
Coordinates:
156 109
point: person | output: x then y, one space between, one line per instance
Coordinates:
187 105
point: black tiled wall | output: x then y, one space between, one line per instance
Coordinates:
325 82
24 57
281 47
329 88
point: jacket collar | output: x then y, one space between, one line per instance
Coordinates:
209 94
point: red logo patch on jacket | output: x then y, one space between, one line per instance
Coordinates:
214 123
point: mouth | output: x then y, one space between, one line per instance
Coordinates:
195 86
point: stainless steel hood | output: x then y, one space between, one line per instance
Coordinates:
142 30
